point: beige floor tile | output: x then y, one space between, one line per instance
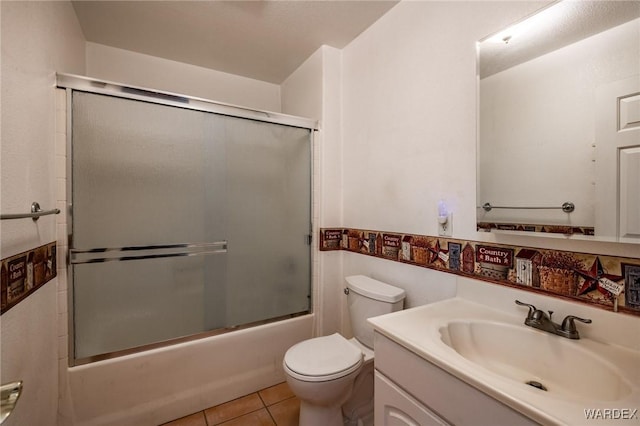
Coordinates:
196 419
232 409
275 393
257 418
287 412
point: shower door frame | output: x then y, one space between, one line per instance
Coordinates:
72 83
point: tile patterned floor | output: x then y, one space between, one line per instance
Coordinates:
274 406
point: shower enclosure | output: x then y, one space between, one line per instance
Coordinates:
186 217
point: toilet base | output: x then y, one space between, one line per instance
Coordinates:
358 409
321 402
352 408
314 415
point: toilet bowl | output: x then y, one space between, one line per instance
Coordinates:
333 376
321 373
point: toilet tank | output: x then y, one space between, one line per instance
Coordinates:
368 298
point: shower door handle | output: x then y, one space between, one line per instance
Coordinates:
119 254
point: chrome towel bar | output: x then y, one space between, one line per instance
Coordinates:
35 214
567 207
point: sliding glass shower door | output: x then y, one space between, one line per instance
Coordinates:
183 222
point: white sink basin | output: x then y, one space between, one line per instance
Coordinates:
544 361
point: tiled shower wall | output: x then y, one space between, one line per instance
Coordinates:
63 248
38 272
606 281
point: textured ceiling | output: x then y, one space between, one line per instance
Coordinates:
554 27
264 40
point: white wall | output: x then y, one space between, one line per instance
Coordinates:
409 129
409 132
410 115
314 90
38 39
522 110
137 69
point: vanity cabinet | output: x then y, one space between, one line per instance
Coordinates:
395 407
409 390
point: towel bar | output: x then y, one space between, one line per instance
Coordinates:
567 207
35 214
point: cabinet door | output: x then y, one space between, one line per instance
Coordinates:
394 407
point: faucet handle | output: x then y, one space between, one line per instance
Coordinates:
568 328
568 323
532 308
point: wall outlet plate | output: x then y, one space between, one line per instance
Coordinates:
445 228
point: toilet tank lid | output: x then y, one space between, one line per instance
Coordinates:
374 289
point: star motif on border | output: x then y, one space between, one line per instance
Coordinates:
592 278
436 253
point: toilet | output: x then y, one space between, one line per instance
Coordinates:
332 376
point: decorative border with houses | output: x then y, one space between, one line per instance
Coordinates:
549 229
606 281
24 273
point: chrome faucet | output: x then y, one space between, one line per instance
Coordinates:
542 321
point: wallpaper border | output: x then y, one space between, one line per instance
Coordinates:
24 273
582 277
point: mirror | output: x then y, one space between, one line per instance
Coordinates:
559 122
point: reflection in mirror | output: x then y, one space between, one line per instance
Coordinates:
559 122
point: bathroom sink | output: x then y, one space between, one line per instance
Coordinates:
488 346
547 362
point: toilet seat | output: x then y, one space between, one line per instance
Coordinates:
322 359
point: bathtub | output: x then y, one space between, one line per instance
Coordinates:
160 385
